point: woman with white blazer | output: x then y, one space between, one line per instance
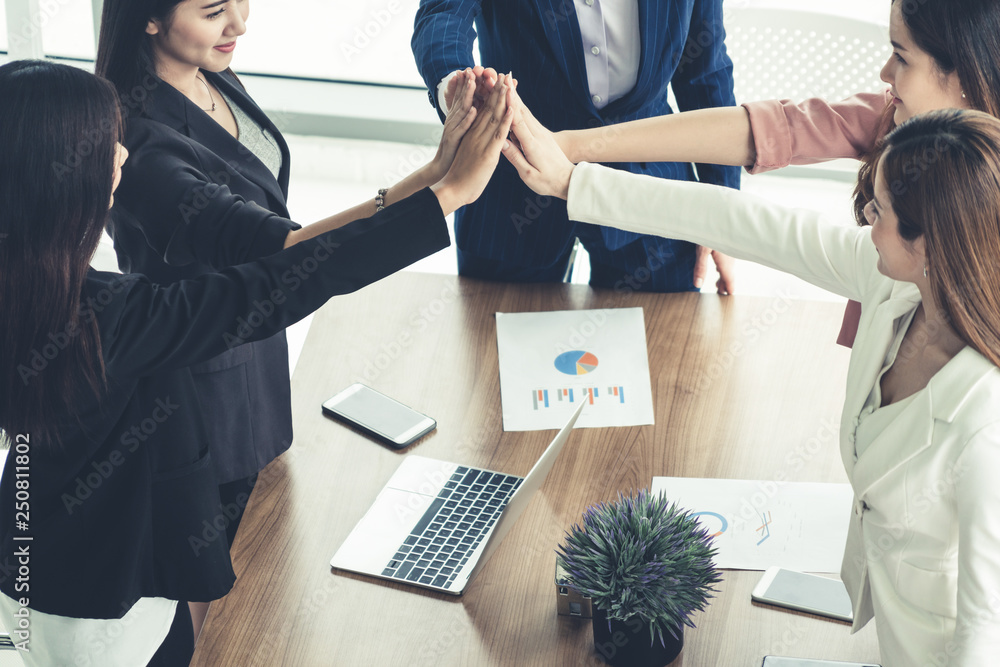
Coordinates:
920 431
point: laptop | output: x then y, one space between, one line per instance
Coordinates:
435 524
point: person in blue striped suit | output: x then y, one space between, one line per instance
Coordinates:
581 64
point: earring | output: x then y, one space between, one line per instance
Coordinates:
925 270
963 95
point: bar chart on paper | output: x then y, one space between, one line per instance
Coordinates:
540 397
551 361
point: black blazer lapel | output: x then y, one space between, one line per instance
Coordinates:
237 93
169 106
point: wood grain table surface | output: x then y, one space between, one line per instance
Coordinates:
743 387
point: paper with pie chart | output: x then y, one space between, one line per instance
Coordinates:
550 362
757 524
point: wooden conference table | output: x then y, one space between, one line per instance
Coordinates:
743 387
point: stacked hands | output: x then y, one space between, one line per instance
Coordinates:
486 117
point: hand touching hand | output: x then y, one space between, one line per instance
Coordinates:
485 78
456 125
725 264
479 151
537 157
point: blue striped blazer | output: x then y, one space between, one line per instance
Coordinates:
539 41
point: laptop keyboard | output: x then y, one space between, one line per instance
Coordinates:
452 527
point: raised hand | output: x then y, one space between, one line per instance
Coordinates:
535 154
479 151
456 125
485 78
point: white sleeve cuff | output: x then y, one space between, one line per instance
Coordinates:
441 87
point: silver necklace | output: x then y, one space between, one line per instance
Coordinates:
210 96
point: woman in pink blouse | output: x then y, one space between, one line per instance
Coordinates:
945 54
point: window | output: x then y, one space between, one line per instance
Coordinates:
345 40
364 40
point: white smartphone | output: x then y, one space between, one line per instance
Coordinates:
378 415
804 592
777 661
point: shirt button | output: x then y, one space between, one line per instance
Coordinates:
597 99
589 3
596 51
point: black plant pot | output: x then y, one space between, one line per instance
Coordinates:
629 644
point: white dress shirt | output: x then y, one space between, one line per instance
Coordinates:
611 50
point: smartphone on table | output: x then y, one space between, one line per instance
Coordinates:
776 661
376 414
810 593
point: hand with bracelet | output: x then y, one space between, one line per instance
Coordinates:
455 128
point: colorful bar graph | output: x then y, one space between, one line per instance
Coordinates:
540 397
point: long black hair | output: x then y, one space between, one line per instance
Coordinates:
58 140
125 51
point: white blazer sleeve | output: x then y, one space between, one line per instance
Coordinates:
977 626
835 257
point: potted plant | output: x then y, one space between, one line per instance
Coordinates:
648 567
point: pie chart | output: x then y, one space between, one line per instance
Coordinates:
576 362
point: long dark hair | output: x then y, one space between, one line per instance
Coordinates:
58 141
125 52
943 169
963 36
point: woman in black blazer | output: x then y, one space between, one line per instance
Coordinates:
110 478
203 155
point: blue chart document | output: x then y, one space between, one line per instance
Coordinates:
763 523
550 362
